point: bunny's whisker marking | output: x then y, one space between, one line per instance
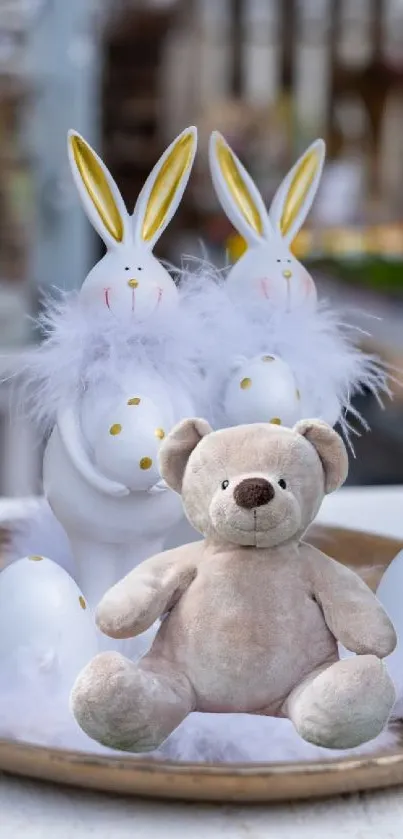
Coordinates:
264 284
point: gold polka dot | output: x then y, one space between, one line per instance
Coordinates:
82 602
134 401
245 383
36 558
297 393
146 463
115 429
275 421
268 358
160 433
132 283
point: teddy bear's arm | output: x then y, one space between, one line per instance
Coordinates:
134 603
352 612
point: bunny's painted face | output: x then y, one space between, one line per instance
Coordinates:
268 270
129 281
273 274
132 285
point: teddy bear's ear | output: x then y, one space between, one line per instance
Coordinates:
177 448
330 448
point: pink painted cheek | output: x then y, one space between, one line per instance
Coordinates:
95 297
301 284
107 301
264 287
308 285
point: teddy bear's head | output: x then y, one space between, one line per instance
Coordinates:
256 484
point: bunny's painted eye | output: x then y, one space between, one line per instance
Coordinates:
225 484
288 260
127 268
139 268
278 260
282 483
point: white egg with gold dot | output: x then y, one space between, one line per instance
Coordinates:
262 389
128 438
42 610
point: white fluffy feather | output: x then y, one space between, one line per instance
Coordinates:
34 530
80 351
195 349
320 346
243 738
34 702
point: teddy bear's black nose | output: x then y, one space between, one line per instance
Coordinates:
253 492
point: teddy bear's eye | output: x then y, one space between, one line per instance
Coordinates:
282 483
224 484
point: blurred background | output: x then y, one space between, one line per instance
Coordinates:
271 75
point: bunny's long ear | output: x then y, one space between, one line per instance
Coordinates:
237 193
99 194
294 197
163 190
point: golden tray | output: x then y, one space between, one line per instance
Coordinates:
369 555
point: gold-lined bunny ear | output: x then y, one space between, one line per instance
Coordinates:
163 190
237 186
299 189
236 191
98 191
294 198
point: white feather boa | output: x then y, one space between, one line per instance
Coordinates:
195 349
79 352
321 347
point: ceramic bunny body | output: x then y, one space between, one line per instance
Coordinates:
276 275
115 282
100 472
105 532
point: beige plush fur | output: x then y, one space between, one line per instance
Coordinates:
251 614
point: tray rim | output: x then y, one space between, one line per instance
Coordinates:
236 782
212 782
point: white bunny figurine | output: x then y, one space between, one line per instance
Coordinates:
100 466
268 268
283 357
273 287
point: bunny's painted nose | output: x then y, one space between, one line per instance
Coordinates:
287 274
132 283
253 492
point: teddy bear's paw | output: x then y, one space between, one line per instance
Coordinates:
99 699
345 705
127 706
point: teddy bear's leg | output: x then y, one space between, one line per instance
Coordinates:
133 707
343 705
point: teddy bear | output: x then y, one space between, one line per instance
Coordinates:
251 615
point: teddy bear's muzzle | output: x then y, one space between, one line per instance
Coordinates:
253 492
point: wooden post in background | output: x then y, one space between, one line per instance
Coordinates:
237 48
62 64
